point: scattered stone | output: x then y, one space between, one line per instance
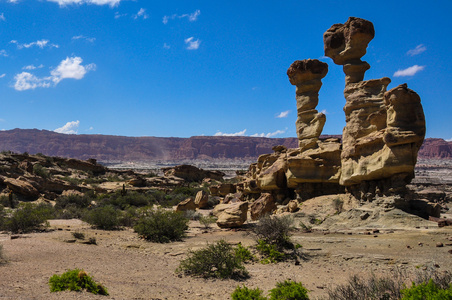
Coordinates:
439 244
201 199
187 204
264 205
234 215
364 216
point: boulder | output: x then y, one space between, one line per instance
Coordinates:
201 199
233 216
187 204
264 205
292 206
21 187
192 173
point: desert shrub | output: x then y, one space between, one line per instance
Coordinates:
78 235
72 200
160 225
216 260
275 231
123 201
427 291
41 171
71 211
270 252
103 217
128 217
75 280
28 217
244 293
357 287
243 253
2 258
9 201
206 221
192 215
289 290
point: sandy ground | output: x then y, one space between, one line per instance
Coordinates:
131 268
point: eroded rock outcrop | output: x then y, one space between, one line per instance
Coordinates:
384 129
380 142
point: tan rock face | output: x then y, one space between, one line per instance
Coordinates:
264 205
201 199
347 43
232 215
187 204
306 75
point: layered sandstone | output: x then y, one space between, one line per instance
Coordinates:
384 130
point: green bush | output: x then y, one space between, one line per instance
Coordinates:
427 291
104 217
289 290
243 253
128 217
75 280
72 200
216 260
131 198
28 217
41 171
9 201
160 225
2 258
270 252
244 293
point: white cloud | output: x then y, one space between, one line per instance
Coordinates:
191 17
3 53
449 140
141 13
69 128
118 15
243 133
324 112
41 44
283 114
71 67
192 43
268 135
418 50
82 37
240 133
409 71
28 81
166 46
2 75
2 17
32 67
112 3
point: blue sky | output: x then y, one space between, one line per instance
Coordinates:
185 68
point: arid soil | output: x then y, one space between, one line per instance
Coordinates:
132 268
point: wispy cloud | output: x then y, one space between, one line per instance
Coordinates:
418 50
283 114
32 67
409 71
243 133
141 14
2 75
82 37
166 46
191 17
71 67
268 135
41 44
69 128
240 133
3 53
118 15
112 3
192 44
2 17
449 140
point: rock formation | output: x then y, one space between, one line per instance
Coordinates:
380 142
384 130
